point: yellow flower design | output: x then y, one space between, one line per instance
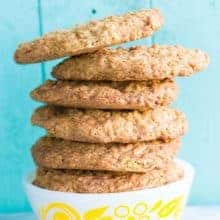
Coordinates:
170 208
59 211
97 214
140 211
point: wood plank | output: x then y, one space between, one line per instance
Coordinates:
67 13
197 25
19 22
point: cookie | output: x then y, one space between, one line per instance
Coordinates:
90 37
102 126
103 181
137 63
56 153
107 95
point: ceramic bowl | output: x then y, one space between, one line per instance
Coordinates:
166 202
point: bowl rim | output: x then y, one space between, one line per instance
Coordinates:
186 166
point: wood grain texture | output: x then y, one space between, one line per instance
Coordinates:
190 23
196 24
16 133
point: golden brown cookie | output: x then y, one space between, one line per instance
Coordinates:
137 63
57 153
90 37
103 181
102 126
107 95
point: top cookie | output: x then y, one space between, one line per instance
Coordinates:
137 63
90 37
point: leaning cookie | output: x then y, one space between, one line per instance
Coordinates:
90 37
57 153
103 181
138 63
107 95
102 126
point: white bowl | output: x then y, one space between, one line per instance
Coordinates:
166 202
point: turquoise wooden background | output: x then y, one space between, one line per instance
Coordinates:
190 23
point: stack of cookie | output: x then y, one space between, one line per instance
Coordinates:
109 125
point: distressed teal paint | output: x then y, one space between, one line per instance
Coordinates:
18 22
196 24
190 23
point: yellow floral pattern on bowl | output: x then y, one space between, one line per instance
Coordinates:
140 211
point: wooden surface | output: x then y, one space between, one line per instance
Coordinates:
190 23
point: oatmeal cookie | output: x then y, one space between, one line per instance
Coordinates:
137 63
57 153
107 95
90 37
105 126
105 182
